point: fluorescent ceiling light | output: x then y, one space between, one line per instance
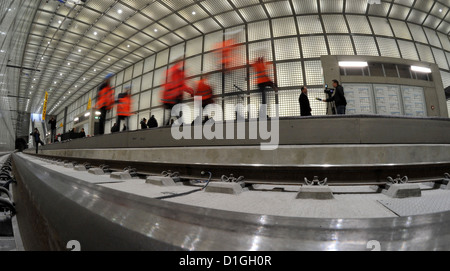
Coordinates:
354 64
420 69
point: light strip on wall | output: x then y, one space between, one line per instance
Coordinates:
353 64
420 69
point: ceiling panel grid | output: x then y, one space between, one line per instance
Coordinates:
87 41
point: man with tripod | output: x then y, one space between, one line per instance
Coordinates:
338 98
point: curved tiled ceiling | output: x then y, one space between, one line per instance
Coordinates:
69 48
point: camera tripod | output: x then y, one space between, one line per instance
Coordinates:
332 105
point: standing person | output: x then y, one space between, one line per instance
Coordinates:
174 88
105 101
305 107
37 139
52 123
124 107
152 122
144 124
262 79
338 98
82 133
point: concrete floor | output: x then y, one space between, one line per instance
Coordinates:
349 202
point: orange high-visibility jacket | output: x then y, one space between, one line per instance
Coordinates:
105 98
226 49
124 105
176 84
204 90
261 72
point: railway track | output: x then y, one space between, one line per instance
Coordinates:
336 175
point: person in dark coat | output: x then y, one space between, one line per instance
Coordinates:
82 133
305 107
338 98
52 123
144 123
152 122
37 139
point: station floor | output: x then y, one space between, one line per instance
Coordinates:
348 202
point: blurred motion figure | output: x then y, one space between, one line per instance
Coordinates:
226 50
174 88
105 101
262 78
124 107
205 91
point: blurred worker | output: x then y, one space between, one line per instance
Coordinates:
338 98
262 78
144 123
52 123
226 50
174 88
205 91
37 139
152 122
124 107
305 107
105 101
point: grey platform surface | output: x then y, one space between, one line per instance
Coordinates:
279 200
432 201
315 130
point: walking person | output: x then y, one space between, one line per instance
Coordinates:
262 78
105 101
37 139
174 88
124 107
205 91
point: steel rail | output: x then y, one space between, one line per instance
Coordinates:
337 175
